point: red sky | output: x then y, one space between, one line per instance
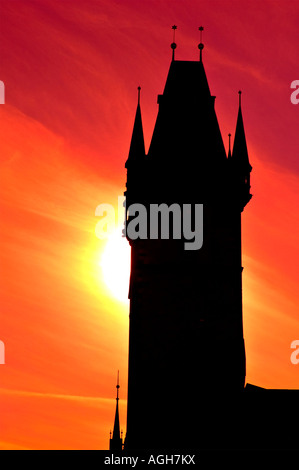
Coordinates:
71 71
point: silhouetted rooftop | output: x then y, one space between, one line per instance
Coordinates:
186 124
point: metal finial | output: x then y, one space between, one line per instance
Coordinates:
117 386
229 155
139 88
240 93
173 44
201 28
200 45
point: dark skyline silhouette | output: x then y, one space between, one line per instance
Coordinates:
187 360
65 136
185 306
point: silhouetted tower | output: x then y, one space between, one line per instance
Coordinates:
116 442
186 346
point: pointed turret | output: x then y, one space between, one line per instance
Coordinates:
116 440
240 159
135 162
137 148
240 153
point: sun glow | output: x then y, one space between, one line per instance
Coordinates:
115 264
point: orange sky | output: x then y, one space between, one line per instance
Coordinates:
71 70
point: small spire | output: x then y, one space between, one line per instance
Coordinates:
137 149
173 44
229 149
116 440
240 152
200 45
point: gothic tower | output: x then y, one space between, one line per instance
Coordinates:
186 345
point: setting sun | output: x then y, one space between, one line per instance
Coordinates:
115 264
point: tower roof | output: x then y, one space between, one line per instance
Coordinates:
137 148
186 125
186 77
240 152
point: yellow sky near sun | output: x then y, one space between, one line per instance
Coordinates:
64 333
271 277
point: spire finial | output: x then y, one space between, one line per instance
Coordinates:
240 93
117 386
200 45
229 148
139 88
173 44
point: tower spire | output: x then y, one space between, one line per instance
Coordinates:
173 44
137 148
240 152
116 442
200 45
240 159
